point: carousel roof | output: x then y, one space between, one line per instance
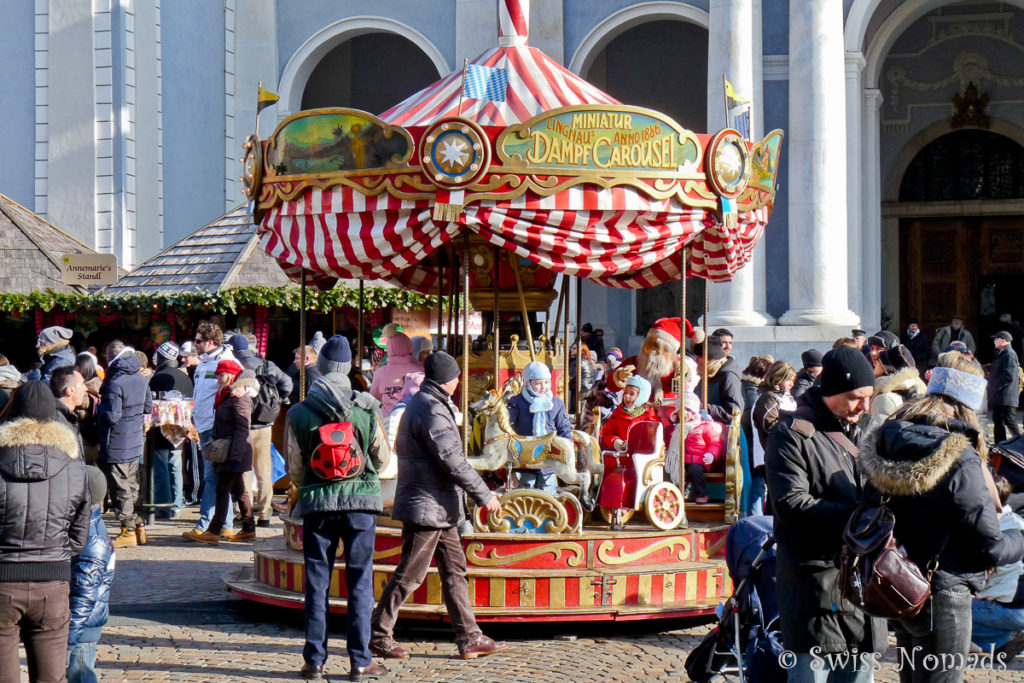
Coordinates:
31 249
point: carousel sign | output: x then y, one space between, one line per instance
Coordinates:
609 139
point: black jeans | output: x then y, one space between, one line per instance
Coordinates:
943 627
698 482
231 485
123 488
1004 419
37 613
419 545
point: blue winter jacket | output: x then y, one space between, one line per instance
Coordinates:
522 419
125 400
92 572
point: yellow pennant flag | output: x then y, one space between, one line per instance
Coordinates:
730 92
264 99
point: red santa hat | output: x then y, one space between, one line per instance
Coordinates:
670 330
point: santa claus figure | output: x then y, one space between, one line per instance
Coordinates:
658 360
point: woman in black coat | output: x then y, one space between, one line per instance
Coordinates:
928 461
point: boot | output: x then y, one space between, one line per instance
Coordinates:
125 539
140 535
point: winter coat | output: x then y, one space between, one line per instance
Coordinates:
231 420
170 377
125 401
389 379
329 402
932 475
1003 385
432 467
814 486
749 386
944 336
69 418
92 572
725 392
44 501
521 418
250 360
804 381
707 436
892 391
618 424
59 358
312 374
587 377
204 392
919 347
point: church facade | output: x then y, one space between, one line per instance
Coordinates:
902 181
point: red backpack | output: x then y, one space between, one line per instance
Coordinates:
339 456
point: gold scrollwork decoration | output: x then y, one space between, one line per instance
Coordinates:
533 511
389 552
604 550
575 556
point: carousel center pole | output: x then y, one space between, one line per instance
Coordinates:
513 261
497 323
302 337
464 402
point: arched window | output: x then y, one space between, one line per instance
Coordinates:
965 165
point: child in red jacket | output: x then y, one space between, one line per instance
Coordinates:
633 408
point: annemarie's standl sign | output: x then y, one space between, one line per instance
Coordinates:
610 139
87 270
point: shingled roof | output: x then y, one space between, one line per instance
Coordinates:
30 251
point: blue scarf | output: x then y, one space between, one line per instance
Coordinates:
540 404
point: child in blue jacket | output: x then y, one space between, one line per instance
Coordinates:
92 572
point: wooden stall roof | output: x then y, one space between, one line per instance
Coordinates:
30 251
221 255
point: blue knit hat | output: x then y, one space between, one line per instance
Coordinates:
335 356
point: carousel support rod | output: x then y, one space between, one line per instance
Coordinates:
565 341
704 368
579 354
452 285
440 304
514 262
465 343
359 332
497 322
561 301
453 319
302 337
681 429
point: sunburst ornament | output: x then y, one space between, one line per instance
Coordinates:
727 163
455 153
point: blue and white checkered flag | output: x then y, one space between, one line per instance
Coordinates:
485 83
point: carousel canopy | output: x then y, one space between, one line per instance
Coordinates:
539 163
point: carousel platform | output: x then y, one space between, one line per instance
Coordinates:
592 575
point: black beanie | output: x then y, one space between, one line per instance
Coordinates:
845 369
896 359
33 400
811 358
440 367
715 350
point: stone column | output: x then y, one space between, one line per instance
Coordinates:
731 52
871 212
854 226
817 167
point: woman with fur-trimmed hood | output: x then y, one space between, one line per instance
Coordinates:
928 461
899 382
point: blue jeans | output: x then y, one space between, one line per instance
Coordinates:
82 663
826 668
994 623
321 532
540 480
757 495
167 481
208 503
943 627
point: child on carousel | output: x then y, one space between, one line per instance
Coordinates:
704 447
634 407
535 411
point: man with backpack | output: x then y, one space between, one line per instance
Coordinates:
275 387
336 446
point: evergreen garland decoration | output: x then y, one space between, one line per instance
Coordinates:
222 301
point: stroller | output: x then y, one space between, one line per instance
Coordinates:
746 642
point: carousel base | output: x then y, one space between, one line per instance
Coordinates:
592 575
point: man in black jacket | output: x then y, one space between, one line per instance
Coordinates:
262 461
919 345
725 387
45 507
814 485
432 475
1004 388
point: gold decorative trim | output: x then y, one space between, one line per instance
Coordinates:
733 470
623 557
493 559
384 554
544 512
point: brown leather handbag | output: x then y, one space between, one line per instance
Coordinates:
875 573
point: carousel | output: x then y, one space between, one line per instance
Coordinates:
483 189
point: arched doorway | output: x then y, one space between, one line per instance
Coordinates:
662 65
962 232
372 72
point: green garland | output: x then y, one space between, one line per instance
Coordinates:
223 301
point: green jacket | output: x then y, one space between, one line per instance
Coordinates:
323 406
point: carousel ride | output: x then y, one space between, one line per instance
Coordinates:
484 201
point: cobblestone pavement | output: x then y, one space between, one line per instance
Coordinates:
172 620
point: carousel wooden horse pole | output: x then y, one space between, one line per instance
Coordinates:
704 370
682 387
465 343
497 322
558 313
359 332
302 337
565 341
579 354
514 262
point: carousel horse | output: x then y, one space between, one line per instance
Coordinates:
499 447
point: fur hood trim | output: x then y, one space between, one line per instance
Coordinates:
907 378
756 381
911 477
25 431
50 348
246 383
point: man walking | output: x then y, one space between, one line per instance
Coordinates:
124 403
209 342
814 486
432 474
262 421
337 503
1004 388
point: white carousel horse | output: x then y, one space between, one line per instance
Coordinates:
501 447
